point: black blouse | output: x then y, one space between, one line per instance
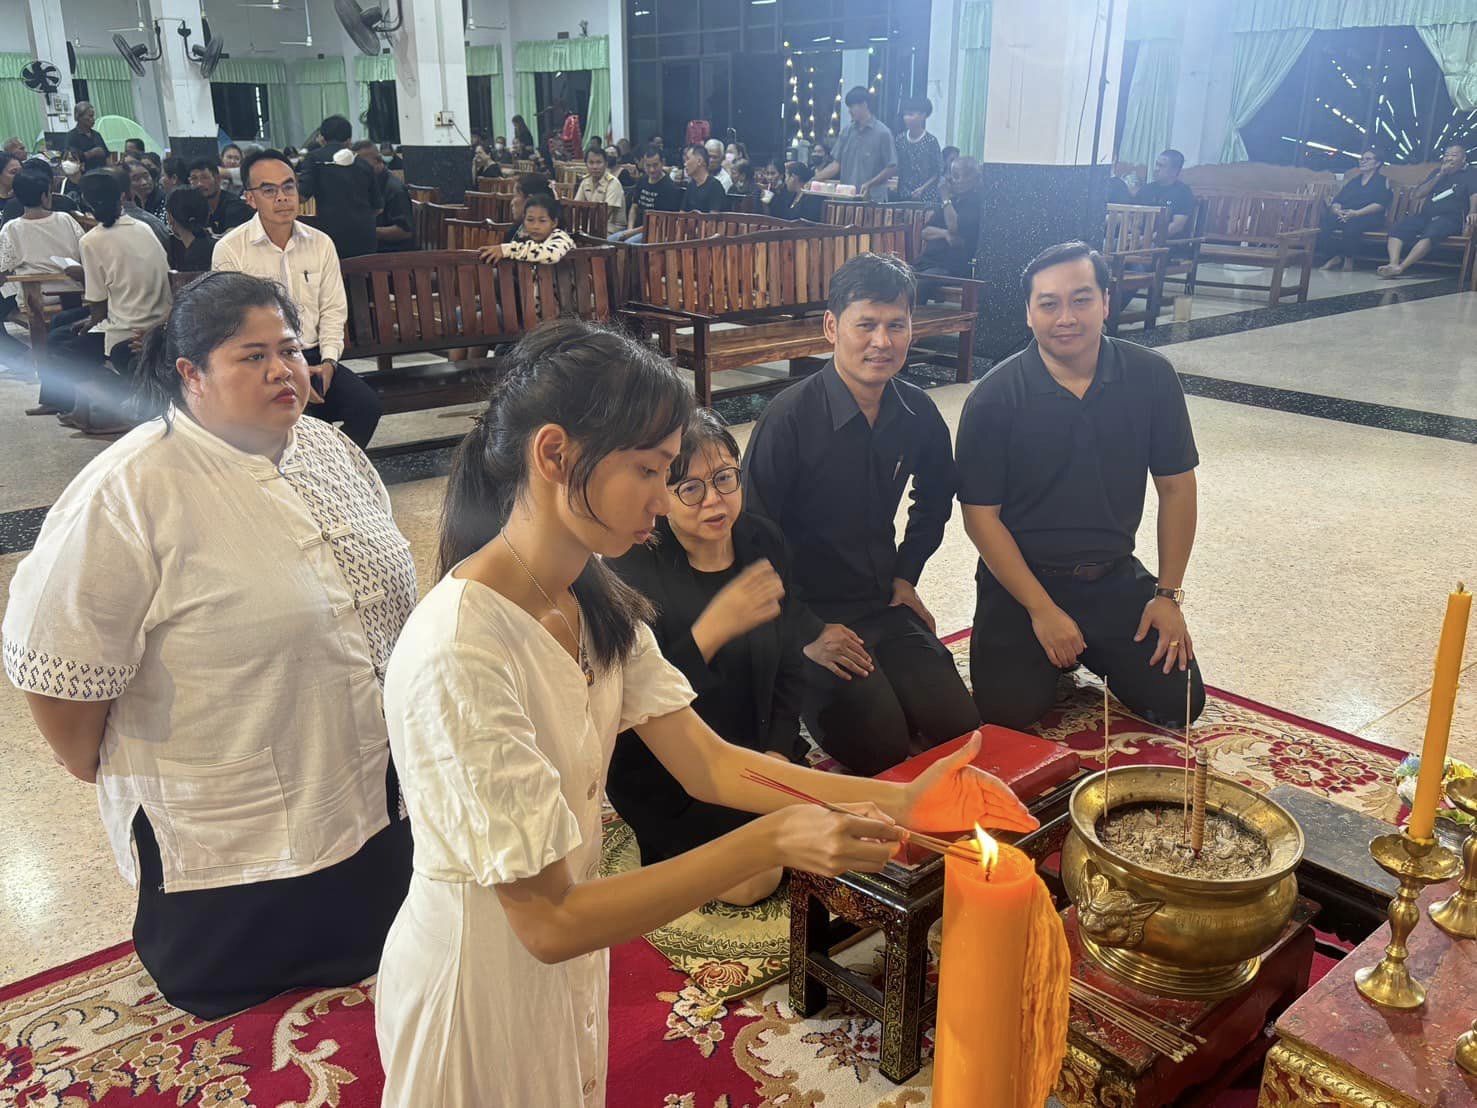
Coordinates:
1358 193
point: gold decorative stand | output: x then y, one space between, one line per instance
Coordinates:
1416 863
1466 1050
1457 914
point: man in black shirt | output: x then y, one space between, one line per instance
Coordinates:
1450 209
226 211
394 227
1056 445
704 192
349 194
1166 190
828 462
83 141
656 193
953 232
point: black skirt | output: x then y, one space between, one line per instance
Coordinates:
213 952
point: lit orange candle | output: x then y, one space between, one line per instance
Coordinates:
1003 981
1438 723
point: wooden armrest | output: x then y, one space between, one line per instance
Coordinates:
670 315
61 280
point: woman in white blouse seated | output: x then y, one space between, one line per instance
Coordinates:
202 629
504 697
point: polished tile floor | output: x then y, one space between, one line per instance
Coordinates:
1324 554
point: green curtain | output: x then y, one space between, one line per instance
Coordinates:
1331 15
487 61
322 90
558 56
525 99
967 124
381 67
1149 114
20 108
109 84
1260 61
1454 46
271 72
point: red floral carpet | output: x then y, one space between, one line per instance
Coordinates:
96 1032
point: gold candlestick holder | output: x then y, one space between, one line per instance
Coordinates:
1457 914
1417 863
1466 1050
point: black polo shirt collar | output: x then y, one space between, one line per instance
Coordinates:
1040 380
843 405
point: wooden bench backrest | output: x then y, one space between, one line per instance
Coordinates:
569 173
307 205
844 213
474 234
482 205
498 186
1134 227
766 270
523 165
430 222
588 217
684 226
427 193
444 299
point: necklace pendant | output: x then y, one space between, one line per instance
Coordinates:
589 676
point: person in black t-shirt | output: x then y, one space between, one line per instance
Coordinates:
717 576
394 227
1166 190
1056 445
793 202
349 194
953 232
1360 206
191 245
656 193
1450 208
704 193
83 141
226 211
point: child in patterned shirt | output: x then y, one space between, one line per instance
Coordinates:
545 242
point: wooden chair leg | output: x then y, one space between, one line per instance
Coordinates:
964 370
1274 292
1307 277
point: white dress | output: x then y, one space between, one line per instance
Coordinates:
502 751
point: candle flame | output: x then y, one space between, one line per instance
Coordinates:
989 850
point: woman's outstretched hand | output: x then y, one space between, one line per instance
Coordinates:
952 796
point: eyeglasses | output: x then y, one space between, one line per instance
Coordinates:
271 192
694 490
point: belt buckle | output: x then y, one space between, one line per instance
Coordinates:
1085 569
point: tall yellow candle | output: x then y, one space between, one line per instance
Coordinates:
1438 723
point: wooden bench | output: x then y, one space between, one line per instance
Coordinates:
1271 230
773 285
43 296
864 213
585 217
487 205
427 193
685 226
430 221
468 234
1405 203
435 301
1134 248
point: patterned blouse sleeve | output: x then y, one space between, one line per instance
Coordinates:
74 627
547 252
651 686
481 791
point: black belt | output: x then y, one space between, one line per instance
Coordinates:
1082 571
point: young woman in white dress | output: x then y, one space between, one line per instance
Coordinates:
503 699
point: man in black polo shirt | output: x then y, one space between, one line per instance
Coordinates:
953 232
1166 190
657 192
828 462
226 211
704 192
1450 208
1056 445
348 193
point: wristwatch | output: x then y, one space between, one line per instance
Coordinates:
1177 595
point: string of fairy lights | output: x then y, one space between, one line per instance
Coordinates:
799 109
1396 122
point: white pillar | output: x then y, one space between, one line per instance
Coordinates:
943 65
1046 60
431 74
619 95
188 111
49 43
1202 99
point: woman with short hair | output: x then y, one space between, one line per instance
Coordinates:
202 631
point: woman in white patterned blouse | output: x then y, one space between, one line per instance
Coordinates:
202 630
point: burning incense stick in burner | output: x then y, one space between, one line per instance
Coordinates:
1107 751
1197 810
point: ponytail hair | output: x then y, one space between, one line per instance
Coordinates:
104 195
206 313
609 393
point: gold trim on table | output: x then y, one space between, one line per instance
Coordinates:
1292 1078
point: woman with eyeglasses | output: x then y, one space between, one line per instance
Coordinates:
717 577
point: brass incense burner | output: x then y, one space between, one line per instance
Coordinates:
1199 937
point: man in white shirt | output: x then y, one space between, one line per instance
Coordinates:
716 166
275 245
601 185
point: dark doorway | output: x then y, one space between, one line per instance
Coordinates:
241 110
571 88
382 120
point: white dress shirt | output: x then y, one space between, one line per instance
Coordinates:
125 265
239 615
502 750
308 269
